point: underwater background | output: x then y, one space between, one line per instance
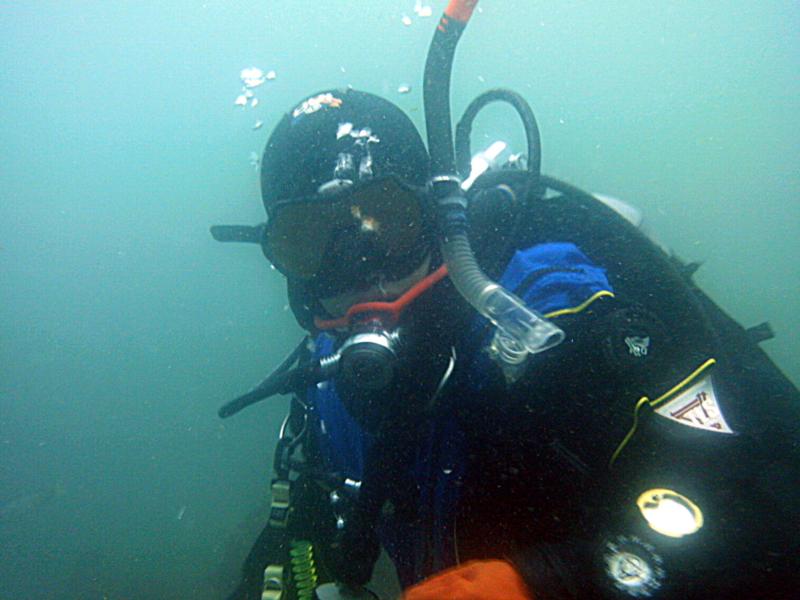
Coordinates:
124 326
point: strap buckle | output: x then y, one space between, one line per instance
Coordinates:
273 583
279 505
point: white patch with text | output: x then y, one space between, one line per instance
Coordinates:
697 407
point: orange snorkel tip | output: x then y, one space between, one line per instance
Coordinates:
460 10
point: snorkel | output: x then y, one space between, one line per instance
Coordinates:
520 330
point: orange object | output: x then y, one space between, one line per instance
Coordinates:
391 309
475 580
460 10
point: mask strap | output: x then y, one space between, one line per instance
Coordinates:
391 310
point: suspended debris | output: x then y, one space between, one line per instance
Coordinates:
422 11
344 130
252 77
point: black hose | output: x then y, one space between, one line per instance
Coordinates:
280 381
445 186
464 129
436 96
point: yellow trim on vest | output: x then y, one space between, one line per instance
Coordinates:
645 400
580 307
684 382
642 401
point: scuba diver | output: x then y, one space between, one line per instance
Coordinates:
508 386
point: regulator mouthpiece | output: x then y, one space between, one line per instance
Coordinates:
369 360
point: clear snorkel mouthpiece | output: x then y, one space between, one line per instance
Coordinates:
519 327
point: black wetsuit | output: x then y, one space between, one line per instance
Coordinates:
556 477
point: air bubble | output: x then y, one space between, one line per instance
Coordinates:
422 11
252 77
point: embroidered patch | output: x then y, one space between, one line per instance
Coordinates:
637 346
697 407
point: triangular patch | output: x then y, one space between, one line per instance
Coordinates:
697 407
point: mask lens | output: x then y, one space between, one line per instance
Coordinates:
391 214
297 235
367 229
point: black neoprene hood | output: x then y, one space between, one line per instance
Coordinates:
306 148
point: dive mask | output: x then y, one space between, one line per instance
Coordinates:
344 235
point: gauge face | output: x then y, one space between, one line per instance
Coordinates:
629 569
670 513
633 566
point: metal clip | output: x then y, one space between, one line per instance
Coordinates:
273 583
279 505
